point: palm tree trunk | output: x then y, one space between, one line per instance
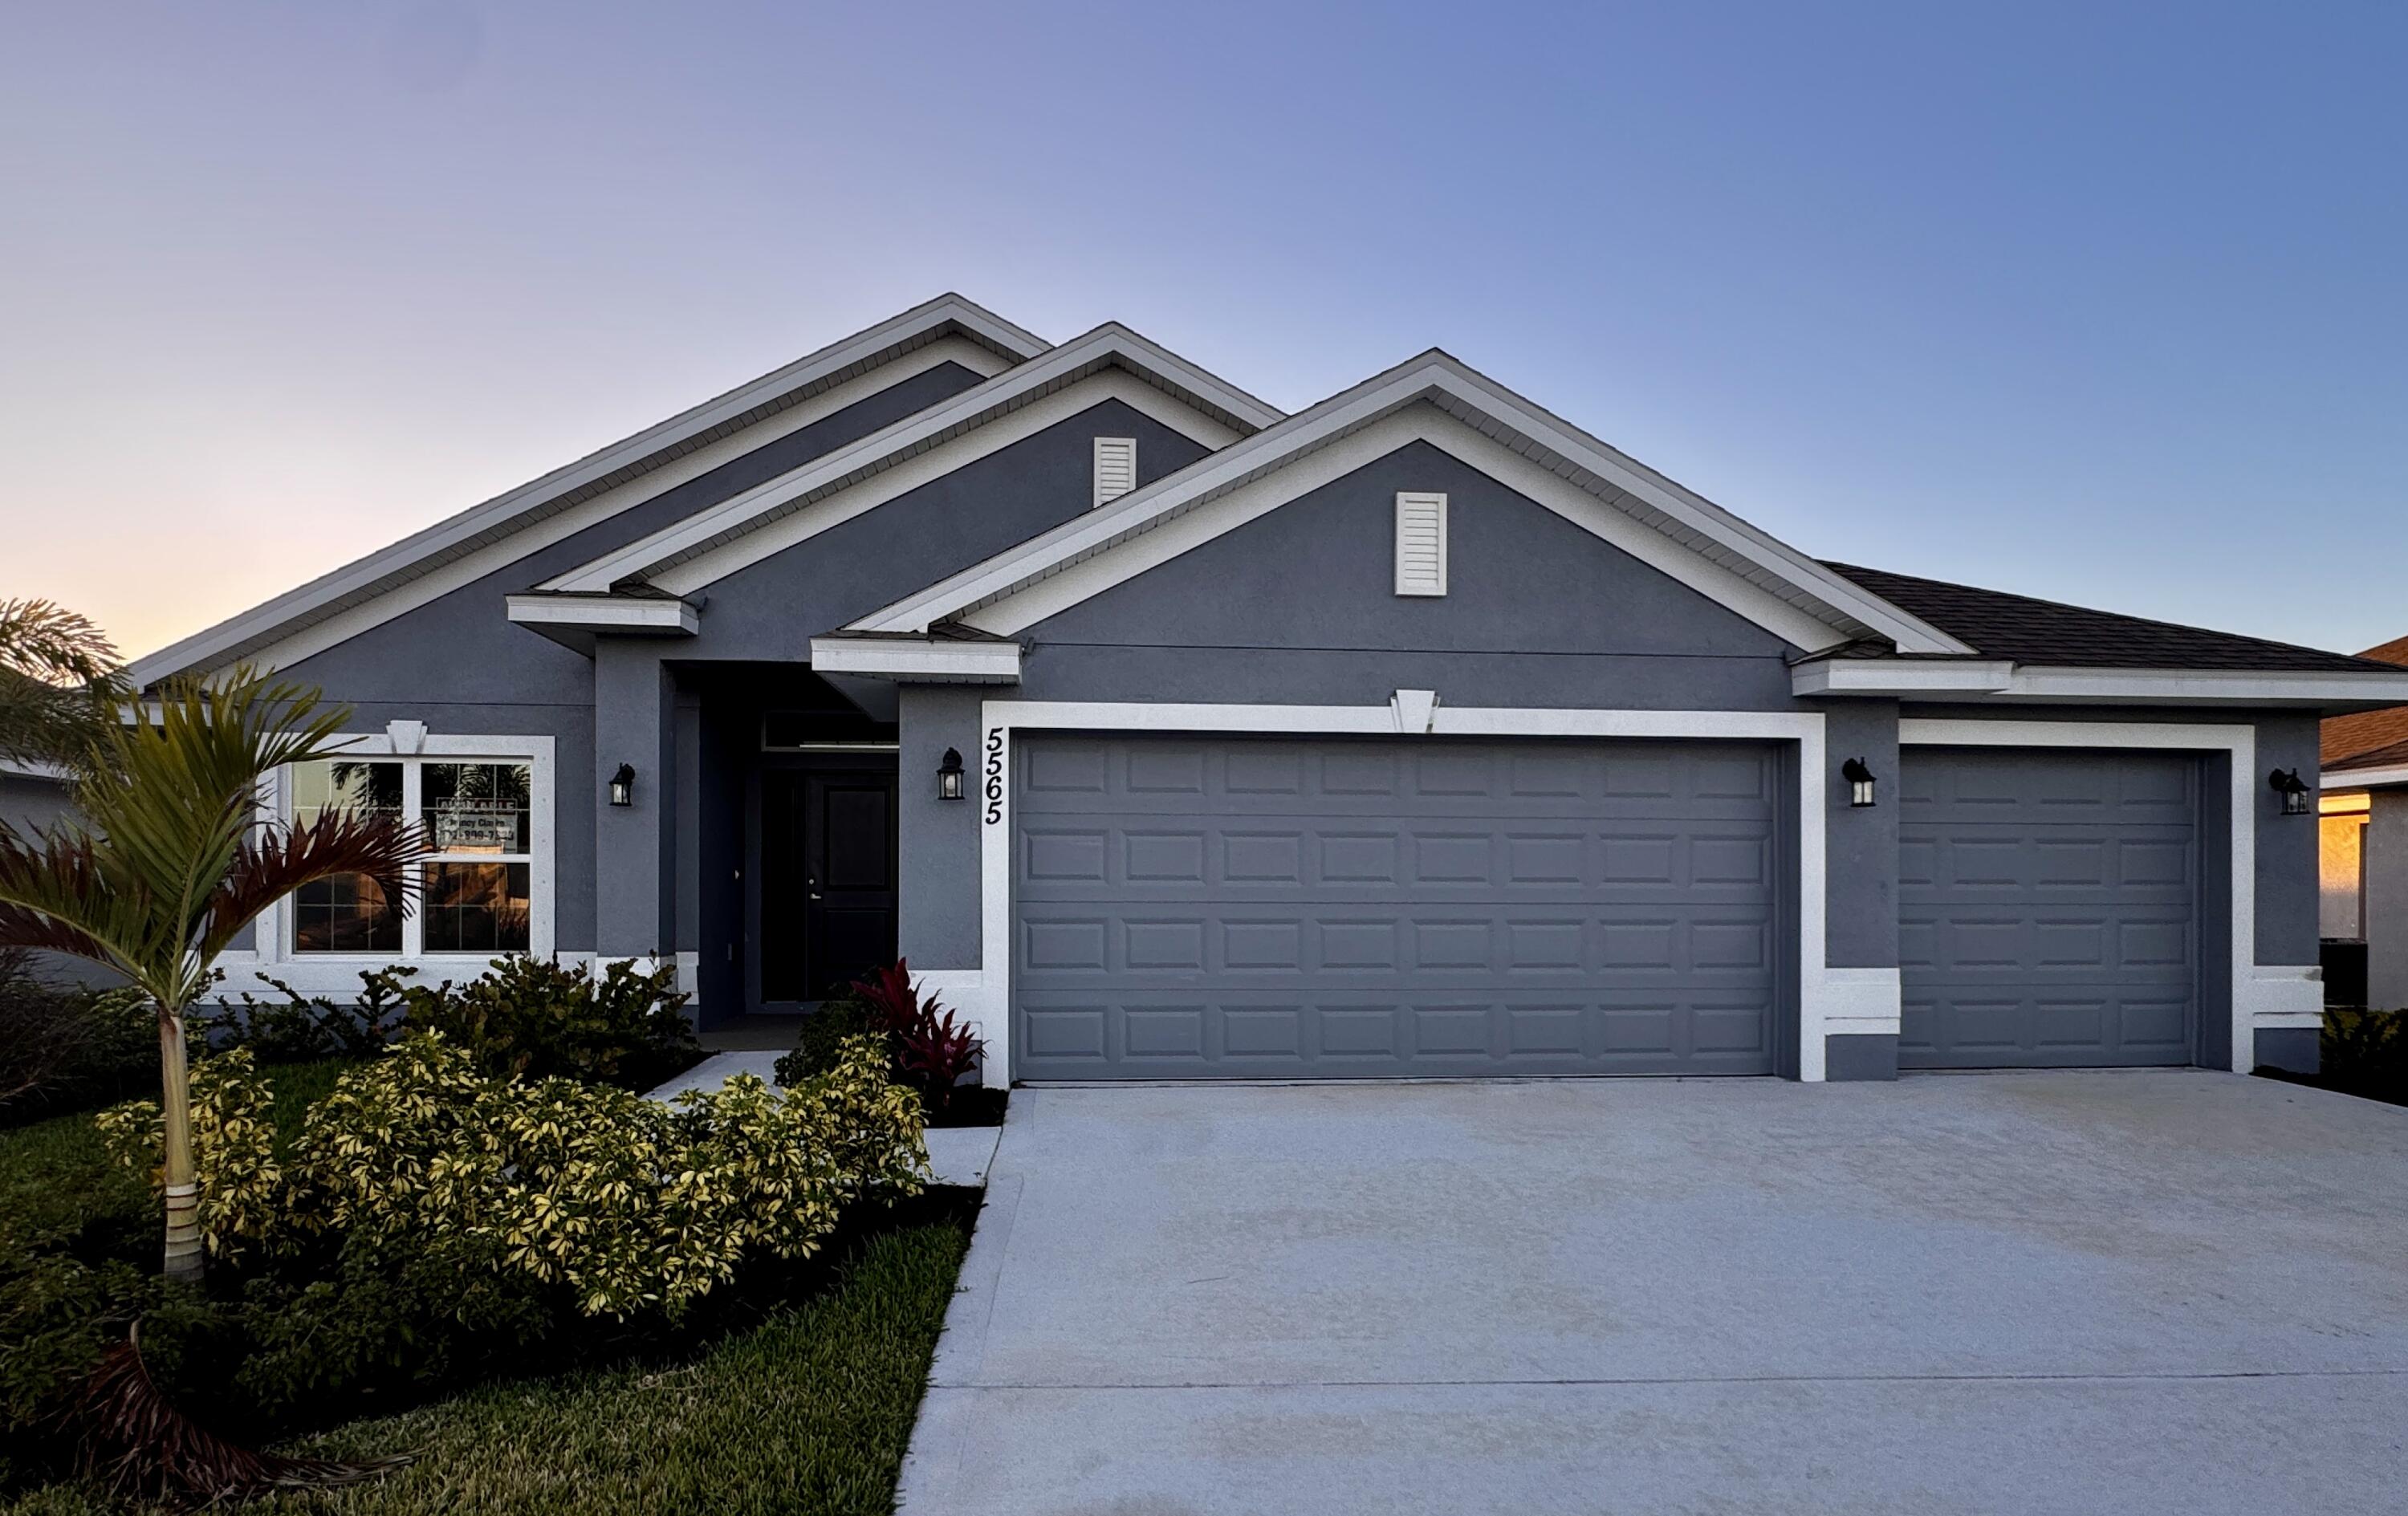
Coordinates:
183 1260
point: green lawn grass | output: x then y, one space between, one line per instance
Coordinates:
809 1410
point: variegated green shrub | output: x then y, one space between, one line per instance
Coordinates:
628 1204
234 1149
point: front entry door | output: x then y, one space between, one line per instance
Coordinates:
828 878
848 878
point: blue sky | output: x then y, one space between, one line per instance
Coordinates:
2098 302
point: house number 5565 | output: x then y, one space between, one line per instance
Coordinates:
993 775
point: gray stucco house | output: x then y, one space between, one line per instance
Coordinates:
1417 733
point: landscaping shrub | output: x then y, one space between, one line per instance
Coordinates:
824 1033
2365 1053
628 1204
234 1149
72 1225
62 1047
530 1018
926 1049
300 1029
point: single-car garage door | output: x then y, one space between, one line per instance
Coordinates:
1196 906
2048 908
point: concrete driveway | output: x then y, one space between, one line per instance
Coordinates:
2170 1291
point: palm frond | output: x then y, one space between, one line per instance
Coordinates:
46 641
176 791
172 857
55 892
59 683
278 860
143 1448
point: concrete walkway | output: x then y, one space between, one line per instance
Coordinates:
2179 1292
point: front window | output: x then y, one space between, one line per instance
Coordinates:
477 887
350 912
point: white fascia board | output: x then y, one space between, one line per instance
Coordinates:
922 662
974 408
1524 428
28 769
598 613
993 335
1877 677
2181 686
2345 779
2002 679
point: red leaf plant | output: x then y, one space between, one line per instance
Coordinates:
931 1049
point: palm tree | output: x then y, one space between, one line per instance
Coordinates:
58 682
171 859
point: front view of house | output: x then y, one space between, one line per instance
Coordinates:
1418 733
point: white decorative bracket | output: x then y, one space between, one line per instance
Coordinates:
1416 710
406 736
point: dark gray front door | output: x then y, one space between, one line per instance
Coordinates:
1235 907
2048 908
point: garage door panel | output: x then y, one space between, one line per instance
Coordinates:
1235 1034
2048 911
1203 907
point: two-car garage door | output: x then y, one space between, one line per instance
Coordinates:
1207 907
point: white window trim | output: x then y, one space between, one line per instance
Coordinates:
2265 996
1829 1000
1105 445
337 974
1409 500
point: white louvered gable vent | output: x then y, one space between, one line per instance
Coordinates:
1115 467
1421 544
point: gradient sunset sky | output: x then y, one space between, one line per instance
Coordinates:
2100 302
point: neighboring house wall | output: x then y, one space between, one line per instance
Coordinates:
2341 872
2387 900
29 806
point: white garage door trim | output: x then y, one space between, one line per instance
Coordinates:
1849 999
2264 998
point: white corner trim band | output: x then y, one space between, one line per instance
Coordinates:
1828 1000
2270 996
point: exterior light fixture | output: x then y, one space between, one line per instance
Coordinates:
1860 783
949 776
2298 798
623 785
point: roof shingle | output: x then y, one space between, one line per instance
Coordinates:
2049 634
2363 741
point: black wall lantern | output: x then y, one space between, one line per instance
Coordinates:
2298 798
949 776
623 785
1860 783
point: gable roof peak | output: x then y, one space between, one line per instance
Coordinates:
1812 591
